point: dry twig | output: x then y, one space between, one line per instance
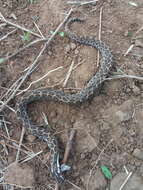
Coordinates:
67 151
2 18
99 35
35 62
4 37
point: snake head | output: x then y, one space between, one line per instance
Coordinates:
56 169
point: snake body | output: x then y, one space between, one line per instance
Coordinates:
60 96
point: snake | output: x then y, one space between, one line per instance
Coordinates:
88 91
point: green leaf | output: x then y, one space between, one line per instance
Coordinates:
2 60
130 34
106 172
62 34
26 36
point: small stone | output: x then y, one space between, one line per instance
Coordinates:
30 138
126 33
136 90
139 43
83 155
67 48
76 52
12 15
138 154
49 53
123 116
72 46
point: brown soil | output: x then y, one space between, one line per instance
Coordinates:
114 116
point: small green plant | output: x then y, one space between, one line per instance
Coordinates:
26 36
62 34
129 34
106 172
2 60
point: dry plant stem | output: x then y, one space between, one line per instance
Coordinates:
35 62
39 30
4 37
99 35
68 74
74 185
25 47
12 88
21 139
6 128
124 76
49 72
129 49
125 181
80 3
1 102
67 151
69 145
19 186
30 157
18 26
140 29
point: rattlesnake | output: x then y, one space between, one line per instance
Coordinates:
60 96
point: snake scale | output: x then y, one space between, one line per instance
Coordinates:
60 96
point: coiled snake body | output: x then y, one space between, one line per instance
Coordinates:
60 96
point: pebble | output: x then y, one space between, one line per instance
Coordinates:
67 48
139 43
123 116
125 111
138 154
76 52
136 90
72 46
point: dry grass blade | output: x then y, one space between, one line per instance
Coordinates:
35 62
126 180
21 139
124 76
1 102
99 35
82 3
25 47
5 125
30 156
4 37
68 74
58 68
18 26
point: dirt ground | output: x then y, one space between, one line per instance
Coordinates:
109 128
